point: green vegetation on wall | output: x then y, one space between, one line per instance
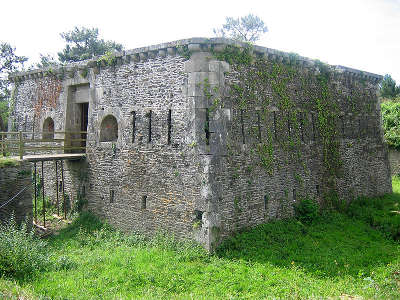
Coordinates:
299 96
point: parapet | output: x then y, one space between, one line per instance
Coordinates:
185 47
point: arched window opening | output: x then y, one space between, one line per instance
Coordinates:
48 129
109 129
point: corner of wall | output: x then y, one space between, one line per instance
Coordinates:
205 88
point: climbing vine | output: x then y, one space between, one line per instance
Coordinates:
286 95
108 59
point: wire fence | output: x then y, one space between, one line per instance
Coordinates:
11 199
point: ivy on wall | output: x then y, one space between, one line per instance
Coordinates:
294 93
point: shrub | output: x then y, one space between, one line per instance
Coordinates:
21 253
391 123
307 211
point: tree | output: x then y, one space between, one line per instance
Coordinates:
9 62
245 29
47 61
388 88
83 43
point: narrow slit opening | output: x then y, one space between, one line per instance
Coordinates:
169 126
144 202
133 126
150 115
259 126
302 126
242 123
111 196
265 202
343 133
207 126
313 126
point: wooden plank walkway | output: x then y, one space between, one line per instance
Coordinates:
49 157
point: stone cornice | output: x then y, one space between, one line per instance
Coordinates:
193 45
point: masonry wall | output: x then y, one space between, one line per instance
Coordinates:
14 179
183 138
146 180
273 154
394 160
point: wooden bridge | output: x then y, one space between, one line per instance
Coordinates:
27 145
48 147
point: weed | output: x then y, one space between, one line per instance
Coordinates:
21 253
307 210
335 255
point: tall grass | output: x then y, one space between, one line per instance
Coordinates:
334 255
382 213
22 254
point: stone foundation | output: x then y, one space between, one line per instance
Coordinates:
14 179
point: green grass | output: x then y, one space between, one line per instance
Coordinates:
350 253
7 162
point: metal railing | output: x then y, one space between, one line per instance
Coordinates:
21 143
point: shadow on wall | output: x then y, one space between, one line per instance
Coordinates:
109 129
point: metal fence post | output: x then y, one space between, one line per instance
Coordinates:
63 191
58 206
3 152
35 193
44 201
21 145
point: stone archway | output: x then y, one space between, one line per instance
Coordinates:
109 129
48 129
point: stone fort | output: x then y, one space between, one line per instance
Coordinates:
202 137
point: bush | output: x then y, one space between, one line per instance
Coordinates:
307 211
21 253
391 123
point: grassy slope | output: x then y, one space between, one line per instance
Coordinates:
335 256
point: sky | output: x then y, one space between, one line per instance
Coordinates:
362 34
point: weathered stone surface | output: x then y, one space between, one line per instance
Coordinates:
394 160
16 180
180 161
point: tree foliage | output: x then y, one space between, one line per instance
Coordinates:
388 88
84 43
47 61
245 29
9 62
391 123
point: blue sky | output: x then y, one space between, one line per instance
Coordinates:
363 34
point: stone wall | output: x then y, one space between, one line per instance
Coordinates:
183 138
394 160
14 179
292 129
